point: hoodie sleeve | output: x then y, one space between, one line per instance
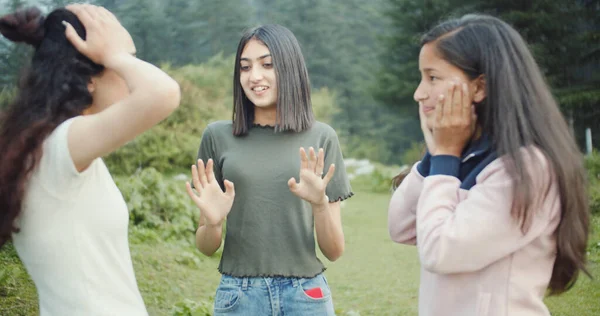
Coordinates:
403 205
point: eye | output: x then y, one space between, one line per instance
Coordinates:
244 68
433 78
268 65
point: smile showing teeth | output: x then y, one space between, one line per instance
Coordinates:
258 89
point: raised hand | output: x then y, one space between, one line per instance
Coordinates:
312 185
105 36
214 204
455 120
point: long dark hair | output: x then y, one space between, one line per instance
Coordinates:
52 89
520 111
294 107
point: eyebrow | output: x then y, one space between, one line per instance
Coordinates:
259 58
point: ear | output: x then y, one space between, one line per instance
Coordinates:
92 85
478 86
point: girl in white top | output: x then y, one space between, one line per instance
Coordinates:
84 95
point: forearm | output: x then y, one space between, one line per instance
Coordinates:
208 238
149 86
328 225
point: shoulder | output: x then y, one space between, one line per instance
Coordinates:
533 159
324 128
220 126
219 129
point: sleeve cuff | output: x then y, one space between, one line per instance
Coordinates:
425 164
445 165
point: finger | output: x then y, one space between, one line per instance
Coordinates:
195 180
210 175
448 100
190 191
74 38
83 15
91 10
467 106
312 160
229 188
457 95
329 174
292 184
320 162
439 110
194 197
106 14
303 159
202 173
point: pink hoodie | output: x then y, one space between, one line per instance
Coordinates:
475 260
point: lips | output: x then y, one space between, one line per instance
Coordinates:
428 109
259 90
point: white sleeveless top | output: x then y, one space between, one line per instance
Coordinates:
73 237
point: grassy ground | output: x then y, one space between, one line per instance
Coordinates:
374 277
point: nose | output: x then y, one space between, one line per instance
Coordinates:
420 94
256 74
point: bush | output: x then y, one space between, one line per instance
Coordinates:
592 165
6 96
158 148
190 308
413 154
159 207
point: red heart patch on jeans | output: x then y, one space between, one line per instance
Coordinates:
314 293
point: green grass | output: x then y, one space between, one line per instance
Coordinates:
374 276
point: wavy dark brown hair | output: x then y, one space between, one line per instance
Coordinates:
520 111
52 89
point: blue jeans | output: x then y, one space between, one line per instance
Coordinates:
272 296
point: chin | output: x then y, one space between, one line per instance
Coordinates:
264 105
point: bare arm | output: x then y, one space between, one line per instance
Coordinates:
208 237
328 224
153 94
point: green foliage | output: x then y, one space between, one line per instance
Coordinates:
592 165
159 207
6 96
191 308
158 148
413 154
376 182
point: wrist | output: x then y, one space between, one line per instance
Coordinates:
215 226
322 205
441 151
114 61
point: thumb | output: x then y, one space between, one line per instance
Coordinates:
229 188
74 38
292 184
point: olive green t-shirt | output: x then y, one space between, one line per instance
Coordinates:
270 231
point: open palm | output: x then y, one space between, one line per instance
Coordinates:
214 204
312 185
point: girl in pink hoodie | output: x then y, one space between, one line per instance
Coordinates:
497 207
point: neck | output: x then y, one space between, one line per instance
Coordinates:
265 116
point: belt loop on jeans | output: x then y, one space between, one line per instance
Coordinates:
244 284
295 282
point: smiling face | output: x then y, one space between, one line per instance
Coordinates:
436 75
257 75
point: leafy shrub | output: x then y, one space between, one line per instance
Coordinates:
159 207
191 308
